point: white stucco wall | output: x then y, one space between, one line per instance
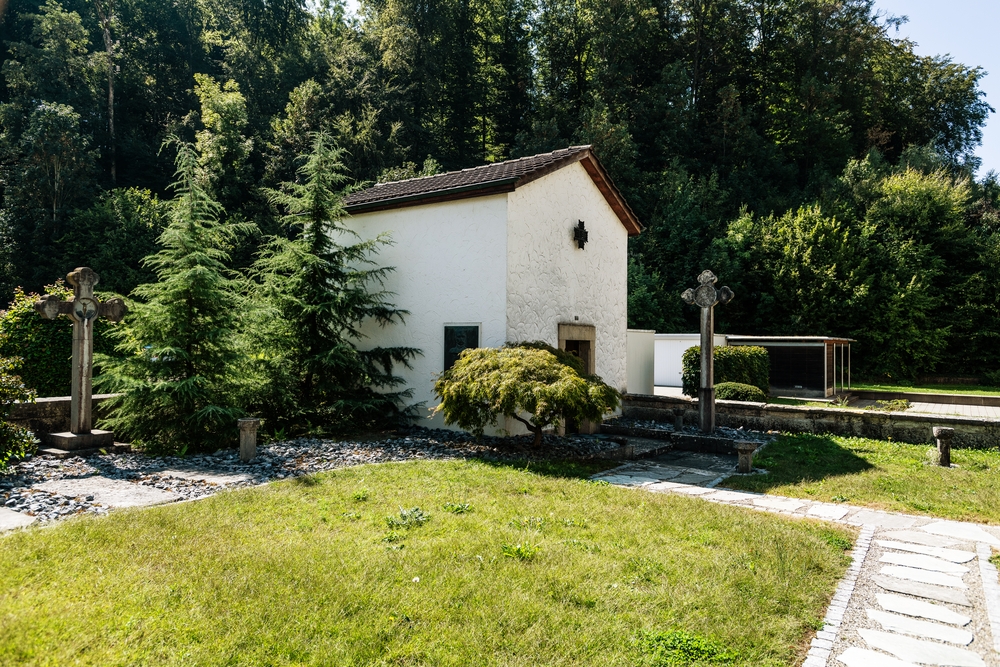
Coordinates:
551 281
451 265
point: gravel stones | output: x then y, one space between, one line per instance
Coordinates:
48 489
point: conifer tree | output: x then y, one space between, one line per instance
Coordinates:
313 293
178 364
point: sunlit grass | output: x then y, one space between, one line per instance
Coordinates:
499 566
877 473
972 390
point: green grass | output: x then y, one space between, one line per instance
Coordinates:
970 389
885 475
539 568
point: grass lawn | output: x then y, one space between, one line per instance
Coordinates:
885 475
970 389
514 566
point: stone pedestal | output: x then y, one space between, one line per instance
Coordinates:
943 436
679 419
745 449
76 441
248 438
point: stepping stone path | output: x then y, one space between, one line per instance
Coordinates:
919 591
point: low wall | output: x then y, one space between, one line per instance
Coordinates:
50 414
970 432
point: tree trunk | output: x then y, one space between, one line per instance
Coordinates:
538 437
109 47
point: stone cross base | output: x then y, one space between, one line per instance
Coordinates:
74 441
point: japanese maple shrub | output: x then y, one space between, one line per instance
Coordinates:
527 384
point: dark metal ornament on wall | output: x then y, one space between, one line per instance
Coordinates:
580 234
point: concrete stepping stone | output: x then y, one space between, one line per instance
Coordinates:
921 629
920 651
926 591
954 555
828 512
664 487
206 475
693 490
628 480
911 607
780 504
9 519
963 531
862 657
881 519
919 538
695 478
923 576
923 562
730 497
109 492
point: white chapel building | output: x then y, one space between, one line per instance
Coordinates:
528 249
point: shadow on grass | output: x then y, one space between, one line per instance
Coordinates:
792 459
563 469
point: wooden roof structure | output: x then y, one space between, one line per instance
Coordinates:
489 179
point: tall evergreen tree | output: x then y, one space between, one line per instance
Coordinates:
314 295
179 362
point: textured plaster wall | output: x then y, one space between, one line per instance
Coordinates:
551 281
451 263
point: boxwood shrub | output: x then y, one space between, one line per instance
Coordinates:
737 391
744 364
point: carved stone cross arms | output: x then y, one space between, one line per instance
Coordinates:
705 295
84 306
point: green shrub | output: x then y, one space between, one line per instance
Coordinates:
736 391
744 364
486 384
45 346
15 441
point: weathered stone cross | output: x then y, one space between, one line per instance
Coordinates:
83 310
706 296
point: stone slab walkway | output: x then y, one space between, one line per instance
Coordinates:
919 591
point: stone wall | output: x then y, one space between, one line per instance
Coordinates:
50 414
970 432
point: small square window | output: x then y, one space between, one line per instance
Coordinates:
458 338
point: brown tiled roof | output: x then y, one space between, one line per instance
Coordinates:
490 179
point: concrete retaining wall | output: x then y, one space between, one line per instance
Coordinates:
970 432
50 414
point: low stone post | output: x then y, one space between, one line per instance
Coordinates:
248 438
745 448
679 419
943 435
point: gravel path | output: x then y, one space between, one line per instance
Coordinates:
46 489
919 591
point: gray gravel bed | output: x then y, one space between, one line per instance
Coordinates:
276 461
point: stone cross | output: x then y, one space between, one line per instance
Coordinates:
83 310
706 296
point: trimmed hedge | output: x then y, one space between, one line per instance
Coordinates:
737 391
744 364
45 346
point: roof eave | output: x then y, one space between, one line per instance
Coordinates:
498 186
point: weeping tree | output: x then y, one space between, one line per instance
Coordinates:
313 294
178 362
528 383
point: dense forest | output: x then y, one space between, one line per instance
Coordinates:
798 148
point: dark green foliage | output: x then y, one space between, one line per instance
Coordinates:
744 364
736 391
179 366
15 441
45 346
486 384
311 295
114 236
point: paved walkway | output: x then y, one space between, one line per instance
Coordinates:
919 591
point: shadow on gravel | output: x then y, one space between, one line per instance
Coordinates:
792 459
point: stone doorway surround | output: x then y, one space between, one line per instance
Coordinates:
580 339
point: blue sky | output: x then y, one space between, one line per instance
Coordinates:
965 29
